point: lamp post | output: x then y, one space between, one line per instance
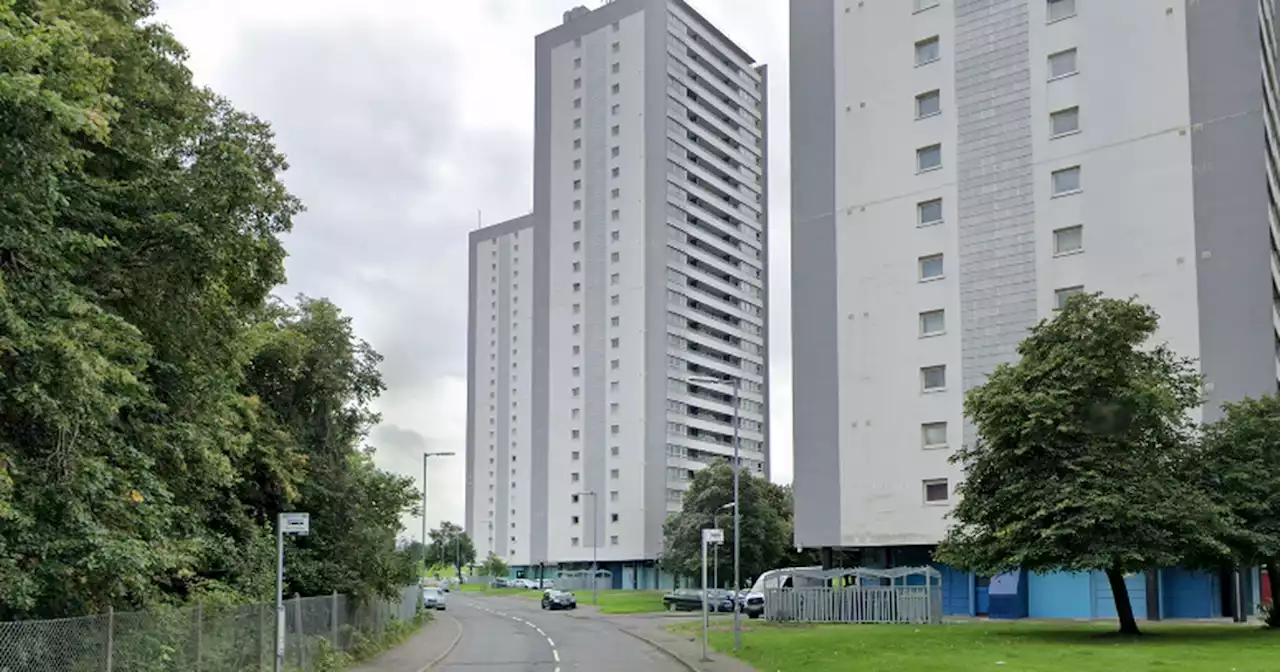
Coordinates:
424 505
735 384
595 543
715 562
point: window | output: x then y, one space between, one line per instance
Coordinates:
613 540
614 300
614 257
577 123
574 477
613 474
577 186
1068 240
928 104
577 287
615 68
613 364
577 266
614 429
577 63
614 321
1066 181
577 372
933 378
1061 9
613 495
577 205
1062 64
928 158
615 215
613 279
613 450
577 103
615 131
931 267
1060 296
573 498
615 89
577 143
617 46
577 225
922 5
933 434
573 520
574 413
577 392
933 322
930 212
1064 122
573 434
573 541
615 172
615 26
614 109
577 82
615 152
936 491
614 342
577 328
577 308
927 50
615 192
614 235
575 455
577 165
613 517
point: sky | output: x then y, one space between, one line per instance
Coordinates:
407 122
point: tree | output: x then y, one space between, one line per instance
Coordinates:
450 545
1237 466
494 567
764 519
1079 453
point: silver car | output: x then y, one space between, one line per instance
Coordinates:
434 598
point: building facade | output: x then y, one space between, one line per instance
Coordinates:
960 167
640 271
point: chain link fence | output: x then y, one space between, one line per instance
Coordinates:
202 638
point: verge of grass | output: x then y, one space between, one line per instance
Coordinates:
1008 647
626 601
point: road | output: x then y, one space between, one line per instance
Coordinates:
515 635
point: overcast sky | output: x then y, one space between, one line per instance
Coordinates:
403 118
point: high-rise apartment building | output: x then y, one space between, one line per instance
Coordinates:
640 272
960 167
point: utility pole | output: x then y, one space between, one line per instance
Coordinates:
424 507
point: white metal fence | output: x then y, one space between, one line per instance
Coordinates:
855 604
200 638
580 580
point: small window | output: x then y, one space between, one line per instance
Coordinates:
1062 64
614 321
577 308
577 350
614 300
577 63
1068 240
577 372
615 68
613 517
577 165
614 109
613 474
577 123
574 477
577 392
613 364
613 279
1061 9
933 322
577 82
577 186
573 520
574 434
930 212
613 495
613 540
573 541
615 89
936 491
573 498
617 46
931 267
577 205
577 266
615 131
577 287
928 158
615 235
922 5
1064 122
927 50
1061 296
615 152
615 342
615 172
615 192
577 143
614 429
928 104
615 215
614 257
577 103
933 434
614 450
1066 181
933 378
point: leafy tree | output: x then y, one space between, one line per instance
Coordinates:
764 521
450 545
1237 466
1079 452
494 567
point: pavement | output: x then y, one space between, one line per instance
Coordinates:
511 634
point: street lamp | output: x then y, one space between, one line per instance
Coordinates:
595 542
735 384
424 505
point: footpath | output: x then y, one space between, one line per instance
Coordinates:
684 648
421 651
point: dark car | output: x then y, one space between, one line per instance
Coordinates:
690 599
558 599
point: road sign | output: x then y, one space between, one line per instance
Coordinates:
295 523
713 536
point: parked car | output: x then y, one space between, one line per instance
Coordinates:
558 599
434 598
752 603
690 599
499 583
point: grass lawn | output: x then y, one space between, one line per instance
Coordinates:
625 601
1006 647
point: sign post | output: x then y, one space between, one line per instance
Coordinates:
286 523
709 536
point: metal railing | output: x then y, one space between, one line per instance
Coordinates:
201 638
855 604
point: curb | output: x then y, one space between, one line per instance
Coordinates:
669 653
449 649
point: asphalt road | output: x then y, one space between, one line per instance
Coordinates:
515 635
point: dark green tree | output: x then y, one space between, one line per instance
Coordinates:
494 567
764 519
1080 448
1237 466
450 545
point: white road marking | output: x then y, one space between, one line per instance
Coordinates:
555 654
553 644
